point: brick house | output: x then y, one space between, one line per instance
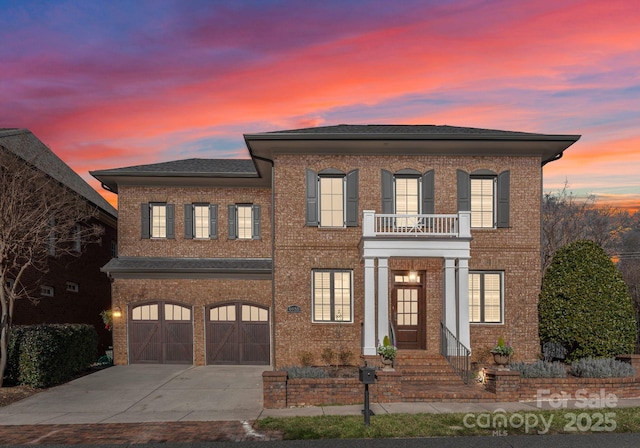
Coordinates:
74 290
329 239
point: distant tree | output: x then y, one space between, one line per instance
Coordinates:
585 304
565 219
40 219
629 265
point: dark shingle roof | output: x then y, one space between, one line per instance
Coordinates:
29 148
405 129
190 167
142 267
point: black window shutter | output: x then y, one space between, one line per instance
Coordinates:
233 230
504 179
145 221
188 221
255 228
464 191
428 193
171 220
387 193
352 199
312 198
213 221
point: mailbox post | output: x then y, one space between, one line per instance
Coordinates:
367 376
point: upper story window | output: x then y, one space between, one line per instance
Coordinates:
244 222
331 198
158 220
407 192
485 297
487 196
332 296
200 221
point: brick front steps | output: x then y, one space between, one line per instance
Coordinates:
422 378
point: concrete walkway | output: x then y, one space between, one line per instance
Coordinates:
170 393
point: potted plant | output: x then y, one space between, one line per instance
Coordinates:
502 351
387 353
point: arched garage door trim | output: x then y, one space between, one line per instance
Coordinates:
237 333
160 333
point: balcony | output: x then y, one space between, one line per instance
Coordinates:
398 225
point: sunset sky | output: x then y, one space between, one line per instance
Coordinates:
109 84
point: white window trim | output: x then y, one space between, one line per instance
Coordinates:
313 298
502 297
73 287
47 291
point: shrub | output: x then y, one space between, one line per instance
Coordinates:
585 304
305 372
306 358
345 357
327 355
540 369
46 355
601 368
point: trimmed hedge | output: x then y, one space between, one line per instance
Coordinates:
50 354
585 304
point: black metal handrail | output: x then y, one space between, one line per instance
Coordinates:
455 352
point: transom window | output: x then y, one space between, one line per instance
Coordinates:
145 312
201 221
331 201
225 313
483 202
158 220
176 312
332 296
254 314
485 297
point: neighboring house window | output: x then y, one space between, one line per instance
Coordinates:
331 198
158 220
332 296
200 221
408 192
46 291
72 287
77 238
244 222
51 250
487 196
485 297
10 282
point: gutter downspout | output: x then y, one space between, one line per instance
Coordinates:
273 260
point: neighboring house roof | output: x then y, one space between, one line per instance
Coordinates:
223 172
157 267
22 143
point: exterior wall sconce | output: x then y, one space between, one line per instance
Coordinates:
117 312
413 276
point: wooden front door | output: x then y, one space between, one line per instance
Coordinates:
408 316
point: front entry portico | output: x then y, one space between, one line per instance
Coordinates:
446 237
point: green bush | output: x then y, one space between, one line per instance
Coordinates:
540 369
46 355
585 304
601 368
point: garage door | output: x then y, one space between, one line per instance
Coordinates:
238 333
160 333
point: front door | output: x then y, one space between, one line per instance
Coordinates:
408 313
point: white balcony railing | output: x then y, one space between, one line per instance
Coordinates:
457 226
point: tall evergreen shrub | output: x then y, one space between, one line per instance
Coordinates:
585 304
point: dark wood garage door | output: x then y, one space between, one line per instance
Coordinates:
160 333
238 333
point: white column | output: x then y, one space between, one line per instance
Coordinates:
383 299
450 294
464 335
369 307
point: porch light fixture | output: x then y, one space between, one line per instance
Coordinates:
117 312
413 276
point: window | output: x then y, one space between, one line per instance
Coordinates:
254 314
114 249
485 297
332 198
77 238
487 196
72 287
407 192
226 313
200 221
145 312
176 312
158 220
46 291
332 296
244 222
10 282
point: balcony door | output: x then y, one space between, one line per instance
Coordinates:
408 310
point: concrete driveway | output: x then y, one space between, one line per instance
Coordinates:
146 393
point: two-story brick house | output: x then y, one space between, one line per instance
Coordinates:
332 238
